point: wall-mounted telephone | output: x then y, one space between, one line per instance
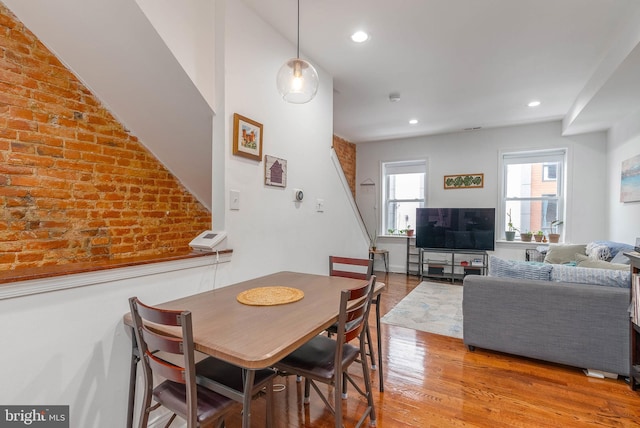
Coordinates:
208 240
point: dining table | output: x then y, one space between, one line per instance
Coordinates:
252 336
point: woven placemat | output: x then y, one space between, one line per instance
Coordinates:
270 296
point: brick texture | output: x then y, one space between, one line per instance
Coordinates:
346 152
75 185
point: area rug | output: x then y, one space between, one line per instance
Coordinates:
432 307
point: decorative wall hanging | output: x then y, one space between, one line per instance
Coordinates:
247 137
464 181
275 171
630 180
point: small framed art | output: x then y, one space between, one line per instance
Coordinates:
247 137
464 181
275 171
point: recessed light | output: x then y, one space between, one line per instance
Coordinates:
535 103
413 122
359 37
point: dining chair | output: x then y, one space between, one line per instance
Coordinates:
172 358
326 360
356 268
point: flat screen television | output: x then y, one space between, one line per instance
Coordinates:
456 228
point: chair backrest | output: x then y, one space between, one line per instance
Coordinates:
361 268
150 342
354 311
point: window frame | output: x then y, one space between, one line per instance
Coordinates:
560 155
397 167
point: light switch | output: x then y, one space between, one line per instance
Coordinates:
320 205
234 200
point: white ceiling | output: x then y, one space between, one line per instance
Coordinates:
468 63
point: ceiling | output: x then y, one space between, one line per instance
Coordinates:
464 64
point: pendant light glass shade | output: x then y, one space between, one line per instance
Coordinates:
297 81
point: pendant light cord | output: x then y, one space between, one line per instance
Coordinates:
298 44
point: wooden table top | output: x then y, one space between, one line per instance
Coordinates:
256 337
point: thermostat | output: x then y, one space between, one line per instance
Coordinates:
298 195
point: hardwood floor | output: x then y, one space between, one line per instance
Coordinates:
434 381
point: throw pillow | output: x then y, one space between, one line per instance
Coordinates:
564 253
598 251
588 262
519 269
620 258
581 275
615 247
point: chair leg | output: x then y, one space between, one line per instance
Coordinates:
344 394
379 336
369 390
307 385
370 345
338 394
132 379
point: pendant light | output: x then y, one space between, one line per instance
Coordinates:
297 80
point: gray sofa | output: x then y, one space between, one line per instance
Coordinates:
580 325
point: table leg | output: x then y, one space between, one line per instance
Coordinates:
246 400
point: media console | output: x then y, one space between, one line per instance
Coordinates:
452 264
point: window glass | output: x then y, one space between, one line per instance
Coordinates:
533 190
403 192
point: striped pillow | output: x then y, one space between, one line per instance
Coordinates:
583 275
518 269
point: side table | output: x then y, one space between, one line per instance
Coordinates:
385 257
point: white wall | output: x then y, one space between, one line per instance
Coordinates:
478 152
270 232
623 143
70 347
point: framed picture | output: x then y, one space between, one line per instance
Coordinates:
630 180
247 137
275 171
464 181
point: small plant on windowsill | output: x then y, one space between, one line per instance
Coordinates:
526 236
510 234
554 236
409 230
538 236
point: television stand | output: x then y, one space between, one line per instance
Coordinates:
452 265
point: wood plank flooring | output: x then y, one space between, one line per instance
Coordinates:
434 381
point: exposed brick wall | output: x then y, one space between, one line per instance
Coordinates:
346 152
75 185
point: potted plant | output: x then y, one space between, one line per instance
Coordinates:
538 236
526 236
511 233
409 230
372 240
554 236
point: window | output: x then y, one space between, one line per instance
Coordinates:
403 191
533 189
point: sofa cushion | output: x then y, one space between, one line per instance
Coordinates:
588 262
583 275
564 253
518 269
